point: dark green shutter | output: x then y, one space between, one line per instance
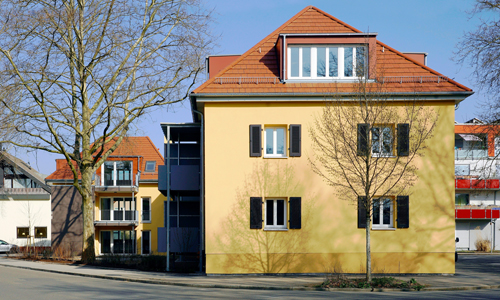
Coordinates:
403 208
1 177
255 141
363 139
255 213
295 213
361 212
403 139
295 142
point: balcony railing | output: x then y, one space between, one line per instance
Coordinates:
471 154
119 215
98 182
475 183
476 212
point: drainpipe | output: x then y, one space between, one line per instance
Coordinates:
167 218
284 57
202 193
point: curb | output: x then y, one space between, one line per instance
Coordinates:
250 287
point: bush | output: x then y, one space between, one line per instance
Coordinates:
483 245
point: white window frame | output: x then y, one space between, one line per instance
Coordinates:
275 142
380 147
142 242
275 216
314 62
381 214
142 209
115 174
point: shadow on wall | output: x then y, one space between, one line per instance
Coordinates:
257 250
436 235
67 218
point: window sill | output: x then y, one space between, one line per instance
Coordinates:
146 222
275 229
384 228
272 156
383 155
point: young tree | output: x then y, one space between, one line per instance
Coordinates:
365 147
80 72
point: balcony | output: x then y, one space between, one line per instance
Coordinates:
475 183
470 154
118 185
469 212
118 218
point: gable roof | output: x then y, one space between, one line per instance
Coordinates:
141 146
26 169
261 62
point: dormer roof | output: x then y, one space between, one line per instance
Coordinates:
257 71
134 146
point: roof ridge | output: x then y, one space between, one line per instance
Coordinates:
154 147
423 66
244 55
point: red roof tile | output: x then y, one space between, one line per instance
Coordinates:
141 146
260 61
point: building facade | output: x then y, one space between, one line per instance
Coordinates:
477 173
24 204
263 209
128 208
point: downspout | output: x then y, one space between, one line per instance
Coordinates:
284 57
202 193
167 219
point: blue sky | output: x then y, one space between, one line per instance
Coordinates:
432 26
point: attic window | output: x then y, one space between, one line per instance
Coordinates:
321 62
150 166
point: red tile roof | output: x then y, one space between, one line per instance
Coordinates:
130 146
260 61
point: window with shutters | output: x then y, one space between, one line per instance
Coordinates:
275 141
275 214
379 140
383 213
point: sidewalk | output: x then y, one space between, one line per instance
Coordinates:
473 272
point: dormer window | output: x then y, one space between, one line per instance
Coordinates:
117 173
321 62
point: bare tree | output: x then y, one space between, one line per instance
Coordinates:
81 71
480 49
365 147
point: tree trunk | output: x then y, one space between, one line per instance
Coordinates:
88 252
368 250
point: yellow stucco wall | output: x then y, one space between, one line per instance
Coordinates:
146 190
329 236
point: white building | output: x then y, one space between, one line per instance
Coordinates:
25 209
477 184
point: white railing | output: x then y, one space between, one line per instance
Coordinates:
119 215
133 181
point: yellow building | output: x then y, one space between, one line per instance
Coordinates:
265 210
128 206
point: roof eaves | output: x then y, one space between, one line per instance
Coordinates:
28 171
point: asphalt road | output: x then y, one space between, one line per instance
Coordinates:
28 284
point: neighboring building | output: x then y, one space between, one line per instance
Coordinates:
265 211
477 173
24 203
128 205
